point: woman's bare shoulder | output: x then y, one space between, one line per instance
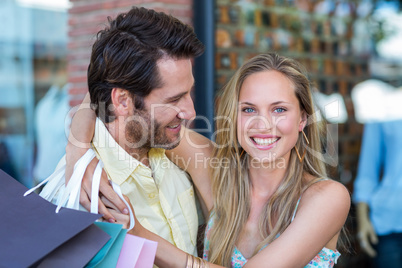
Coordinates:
328 191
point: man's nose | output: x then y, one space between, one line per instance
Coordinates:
187 111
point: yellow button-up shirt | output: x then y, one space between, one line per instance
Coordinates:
162 195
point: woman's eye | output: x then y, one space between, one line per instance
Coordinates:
279 110
248 110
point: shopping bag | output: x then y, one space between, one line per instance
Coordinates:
30 230
107 257
137 252
77 251
68 195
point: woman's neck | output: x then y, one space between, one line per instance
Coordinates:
266 177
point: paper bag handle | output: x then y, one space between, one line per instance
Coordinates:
70 195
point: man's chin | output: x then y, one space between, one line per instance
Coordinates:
168 145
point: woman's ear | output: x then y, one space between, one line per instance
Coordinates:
303 121
122 101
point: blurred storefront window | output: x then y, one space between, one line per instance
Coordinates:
33 48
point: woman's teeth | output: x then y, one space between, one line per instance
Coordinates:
264 142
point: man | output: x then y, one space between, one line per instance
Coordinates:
139 79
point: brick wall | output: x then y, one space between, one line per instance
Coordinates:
87 17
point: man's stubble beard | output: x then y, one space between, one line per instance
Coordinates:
143 133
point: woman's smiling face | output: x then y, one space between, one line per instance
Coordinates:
269 116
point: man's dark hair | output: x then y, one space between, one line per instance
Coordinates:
126 52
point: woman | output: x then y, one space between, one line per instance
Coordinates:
273 204
275 186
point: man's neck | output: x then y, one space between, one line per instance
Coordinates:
117 131
141 154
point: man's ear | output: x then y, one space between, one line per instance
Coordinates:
122 101
303 121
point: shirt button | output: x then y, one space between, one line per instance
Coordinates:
151 195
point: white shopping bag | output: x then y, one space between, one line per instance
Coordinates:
68 195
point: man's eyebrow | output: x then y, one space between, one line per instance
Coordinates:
178 96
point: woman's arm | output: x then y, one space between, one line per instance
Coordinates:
194 155
79 141
167 255
82 127
82 130
321 215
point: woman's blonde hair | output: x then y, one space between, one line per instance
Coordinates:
231 187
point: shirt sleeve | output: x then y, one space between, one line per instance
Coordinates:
370 163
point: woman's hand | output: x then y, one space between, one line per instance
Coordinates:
121 218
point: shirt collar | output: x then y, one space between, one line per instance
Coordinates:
117 162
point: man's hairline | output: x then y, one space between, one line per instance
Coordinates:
166 57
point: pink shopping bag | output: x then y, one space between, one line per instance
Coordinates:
137 252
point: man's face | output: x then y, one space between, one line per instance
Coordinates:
159 123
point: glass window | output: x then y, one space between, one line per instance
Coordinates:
33 49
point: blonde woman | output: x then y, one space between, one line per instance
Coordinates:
273 205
